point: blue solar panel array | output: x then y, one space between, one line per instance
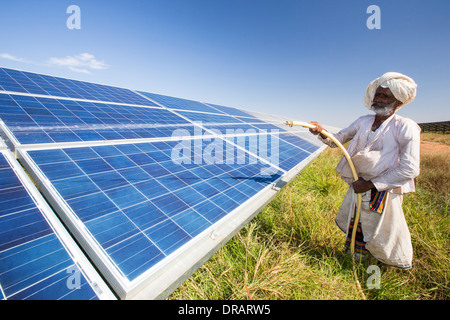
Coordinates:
38 84
136 168
44 120
33 262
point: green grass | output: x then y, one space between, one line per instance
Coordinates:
294 250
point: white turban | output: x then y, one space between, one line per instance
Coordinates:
402 87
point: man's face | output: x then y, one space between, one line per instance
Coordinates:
384 103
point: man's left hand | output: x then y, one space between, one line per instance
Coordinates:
361 185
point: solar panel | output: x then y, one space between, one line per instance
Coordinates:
38 84
38 260
149 185
34 120
178 103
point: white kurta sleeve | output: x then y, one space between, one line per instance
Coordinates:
344 135
408 166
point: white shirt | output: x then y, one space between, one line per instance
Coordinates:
388 156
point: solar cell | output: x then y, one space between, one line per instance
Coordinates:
149 185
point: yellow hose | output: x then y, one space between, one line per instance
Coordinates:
352 167
355 176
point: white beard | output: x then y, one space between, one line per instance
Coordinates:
383 110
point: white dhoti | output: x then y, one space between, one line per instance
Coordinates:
386 235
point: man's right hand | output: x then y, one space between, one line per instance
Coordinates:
318 129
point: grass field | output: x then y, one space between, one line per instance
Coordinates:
294 250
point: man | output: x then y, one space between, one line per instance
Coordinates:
385 149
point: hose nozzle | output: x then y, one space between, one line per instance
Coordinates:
301 124
290 123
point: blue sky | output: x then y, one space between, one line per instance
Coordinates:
305 60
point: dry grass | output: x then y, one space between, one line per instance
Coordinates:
436 137
435 171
